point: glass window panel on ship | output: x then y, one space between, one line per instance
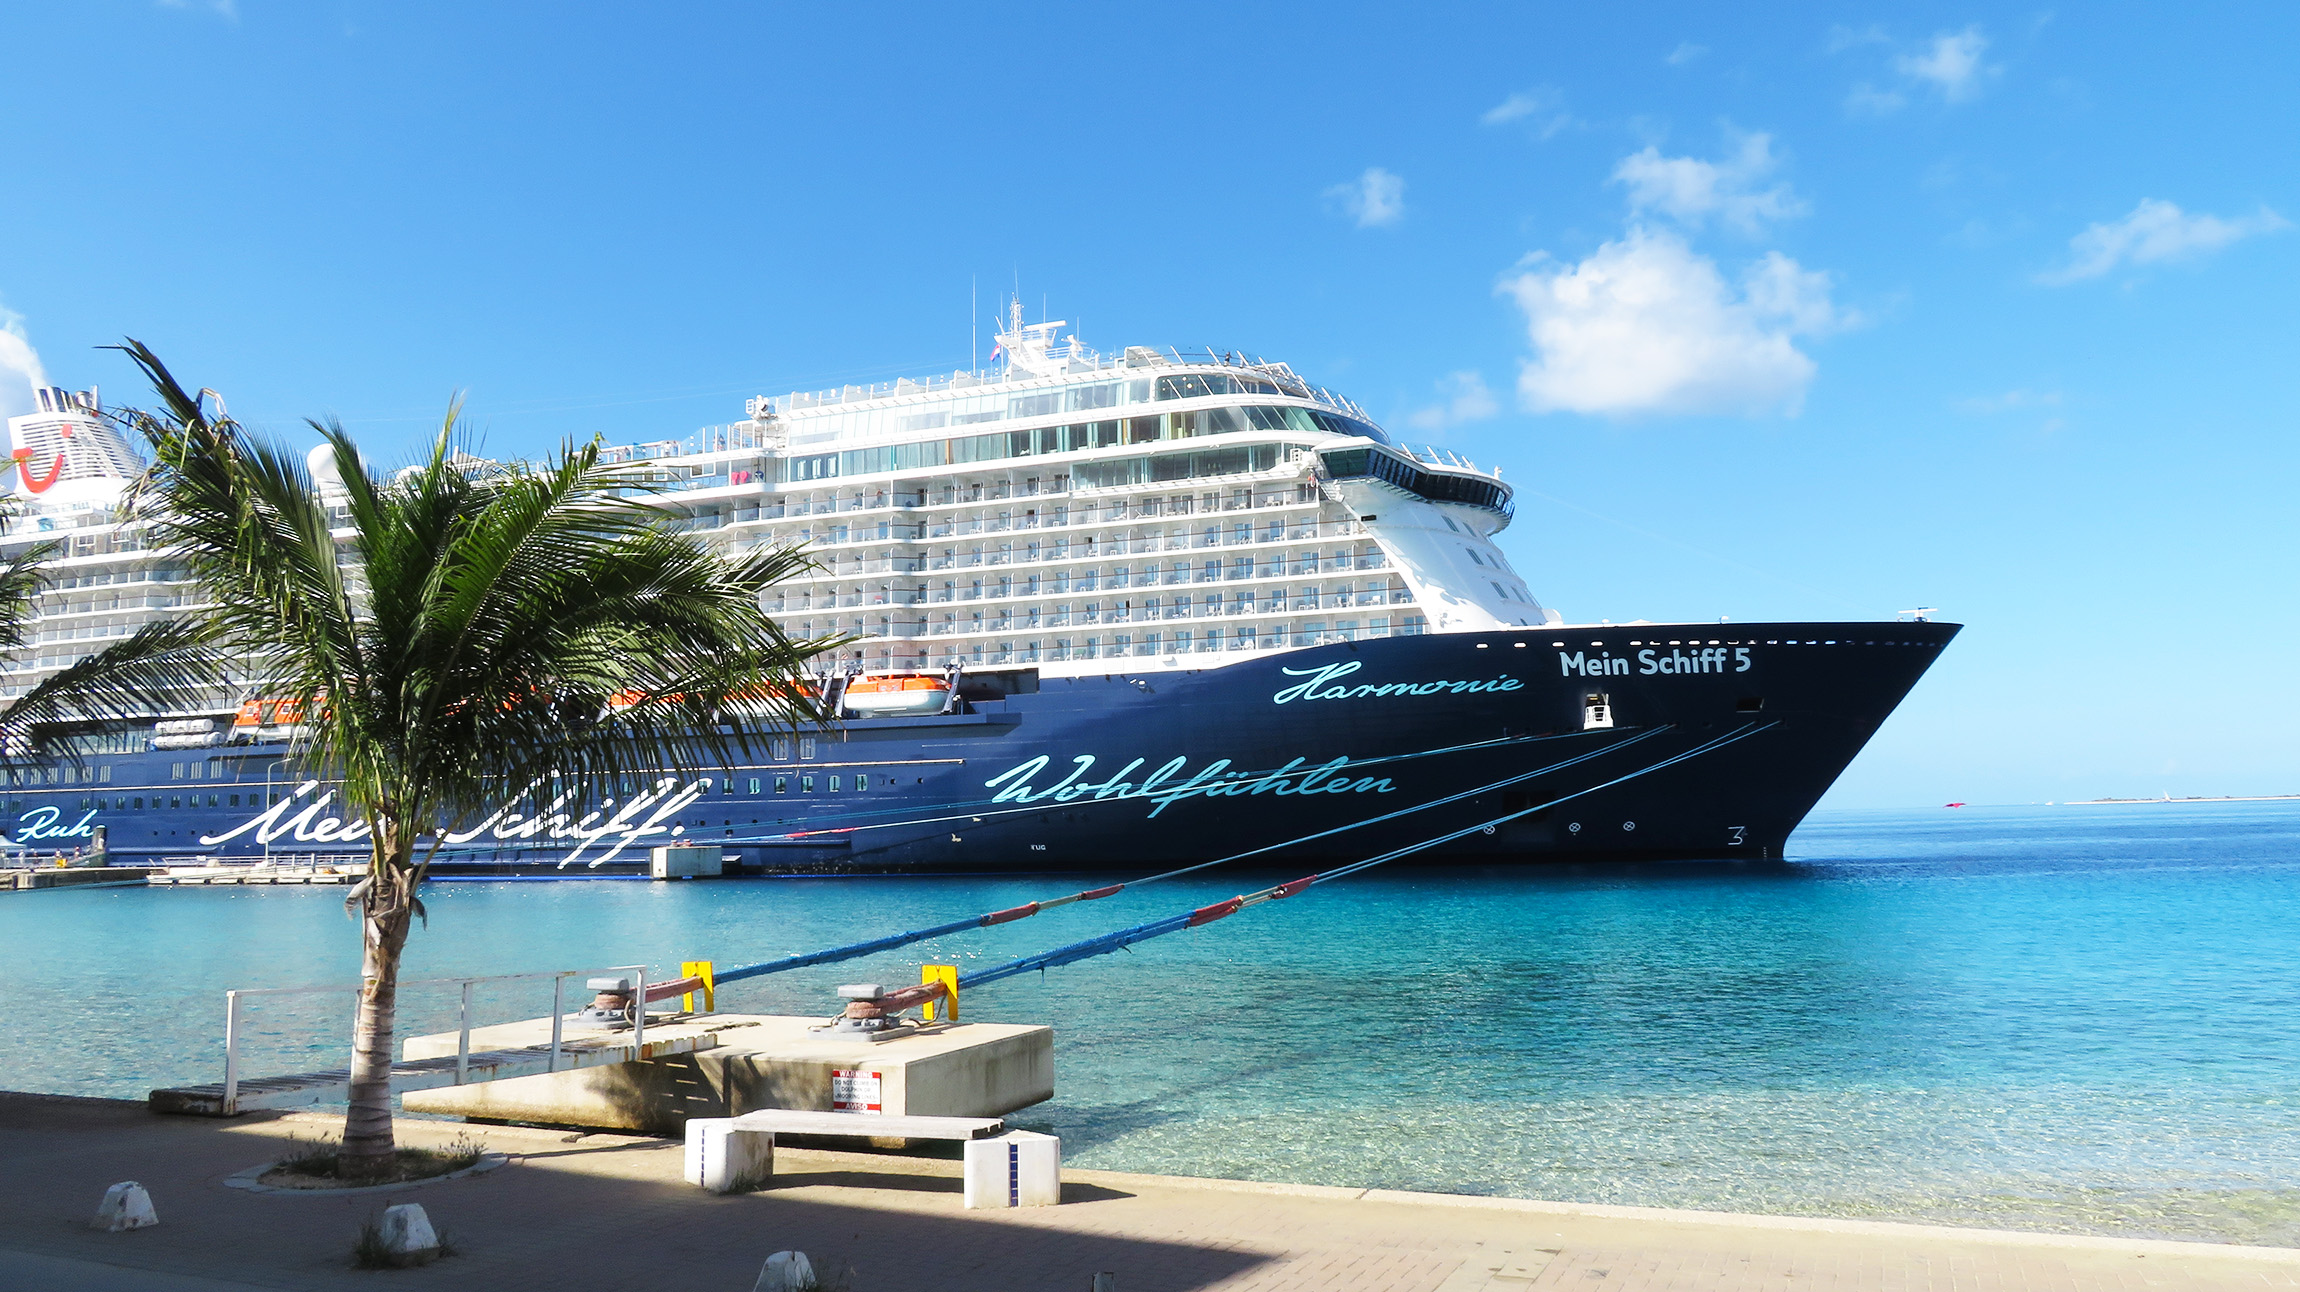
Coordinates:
999 446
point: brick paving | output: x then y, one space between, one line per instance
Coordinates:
609 1212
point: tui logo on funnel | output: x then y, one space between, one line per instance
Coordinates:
21 459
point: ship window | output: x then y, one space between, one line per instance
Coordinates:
782 785
175 771
104 774
1086 397
834 784
782 749
862 782
175 801
235 800
806 785
806 746
1749 704
1141 430
1034 405
139 804
1193 386
754 785
1209 421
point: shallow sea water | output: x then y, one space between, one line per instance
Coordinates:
2076 1018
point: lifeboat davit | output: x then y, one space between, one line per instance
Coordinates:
893 695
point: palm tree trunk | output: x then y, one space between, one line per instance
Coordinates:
385 913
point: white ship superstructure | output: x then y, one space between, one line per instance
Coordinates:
70 467
1068 509
1064 509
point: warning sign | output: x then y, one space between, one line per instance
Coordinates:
854 1091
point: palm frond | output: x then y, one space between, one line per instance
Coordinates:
22 578
503 623
148 672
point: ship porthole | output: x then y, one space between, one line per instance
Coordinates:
1489 829
1574 828
1629 825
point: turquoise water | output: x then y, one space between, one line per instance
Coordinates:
2060 1018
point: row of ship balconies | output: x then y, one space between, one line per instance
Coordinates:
1034 620
1302 527
1020 478
1117 507
1151 645
1062 582
1238 567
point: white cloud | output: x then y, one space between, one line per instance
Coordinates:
20 368
1645 325
1463 397
1516 107
1375 200
1685 52
1542 109
1692 190
1952 64
2156 231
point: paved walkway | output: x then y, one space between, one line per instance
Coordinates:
608 1212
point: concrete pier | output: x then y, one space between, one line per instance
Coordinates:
759 1061
24 879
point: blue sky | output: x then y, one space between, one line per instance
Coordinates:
1813 311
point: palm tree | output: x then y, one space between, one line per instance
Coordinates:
477 630
145 673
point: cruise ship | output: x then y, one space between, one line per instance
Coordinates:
1098 602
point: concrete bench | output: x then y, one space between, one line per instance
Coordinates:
737 1154
795 1121
1013 1169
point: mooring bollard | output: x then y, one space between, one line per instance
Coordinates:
126 1205
408 1238
726 1160
786 1272
1017 1169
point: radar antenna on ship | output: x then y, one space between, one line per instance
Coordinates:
1030 349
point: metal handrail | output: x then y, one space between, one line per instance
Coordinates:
463 1016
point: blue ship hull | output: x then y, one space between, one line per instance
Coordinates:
1473 747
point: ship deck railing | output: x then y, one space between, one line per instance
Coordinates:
1098 649
1075 360
1298 565
275 860
1050 587
1056 622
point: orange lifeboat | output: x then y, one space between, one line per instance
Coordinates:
259 720
891 695
761 700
